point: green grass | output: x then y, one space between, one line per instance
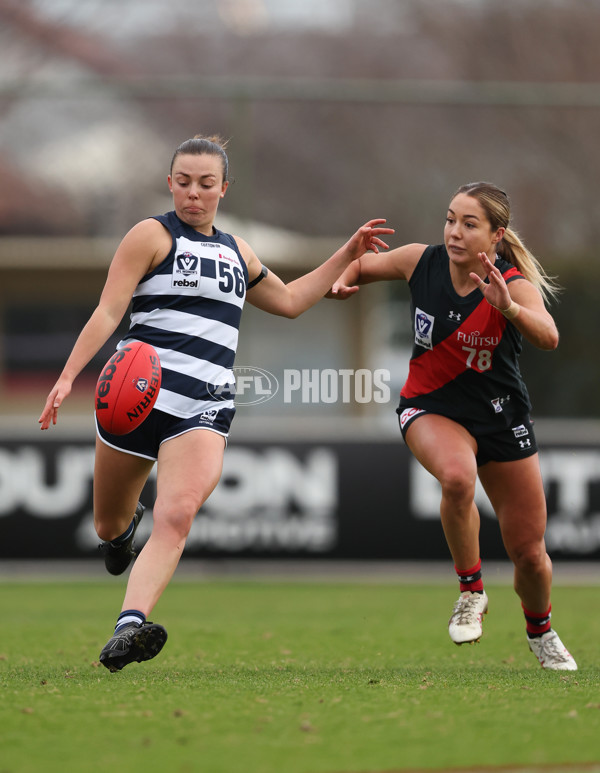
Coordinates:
265 677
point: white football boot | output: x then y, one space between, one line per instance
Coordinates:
465 624
551 652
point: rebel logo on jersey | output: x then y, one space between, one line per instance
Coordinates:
186 270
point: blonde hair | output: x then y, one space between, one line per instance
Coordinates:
496 205
200 145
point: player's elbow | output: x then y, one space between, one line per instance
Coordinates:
291 306
549 341
552 337
283 310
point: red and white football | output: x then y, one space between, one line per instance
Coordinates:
127 388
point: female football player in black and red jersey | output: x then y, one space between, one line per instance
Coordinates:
464 409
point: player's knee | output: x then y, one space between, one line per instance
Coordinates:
458 486
104 530
530 556
107 531
177 515
110 528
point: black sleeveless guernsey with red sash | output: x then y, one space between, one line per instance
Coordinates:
464 363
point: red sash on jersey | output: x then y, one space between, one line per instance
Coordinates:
482 330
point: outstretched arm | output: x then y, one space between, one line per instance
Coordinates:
290 300
522 304
396 264
132 260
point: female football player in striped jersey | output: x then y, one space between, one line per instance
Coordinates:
187 282
464 409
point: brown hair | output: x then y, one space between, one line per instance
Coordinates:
201 145
496 205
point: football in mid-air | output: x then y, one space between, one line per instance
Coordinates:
127 388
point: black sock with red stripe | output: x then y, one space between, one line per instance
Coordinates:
470 579
537 624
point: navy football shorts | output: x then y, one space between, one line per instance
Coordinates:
159 426
504 445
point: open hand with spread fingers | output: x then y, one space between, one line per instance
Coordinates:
366 239
495 290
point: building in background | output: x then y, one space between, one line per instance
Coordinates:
337 112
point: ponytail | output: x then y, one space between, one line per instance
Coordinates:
496 205
512 249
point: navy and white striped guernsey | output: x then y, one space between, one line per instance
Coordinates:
189 309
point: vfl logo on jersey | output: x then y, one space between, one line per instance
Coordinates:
186 271
424 329
187 264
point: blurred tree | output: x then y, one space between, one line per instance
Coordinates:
383 111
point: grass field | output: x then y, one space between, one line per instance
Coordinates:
268 677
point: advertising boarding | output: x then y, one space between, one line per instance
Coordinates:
309 499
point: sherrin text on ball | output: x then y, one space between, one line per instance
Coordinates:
127 388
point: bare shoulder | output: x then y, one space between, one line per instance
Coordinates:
149 229
524 292
243 246
410 254
414 250
143 247
249 257
148 238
